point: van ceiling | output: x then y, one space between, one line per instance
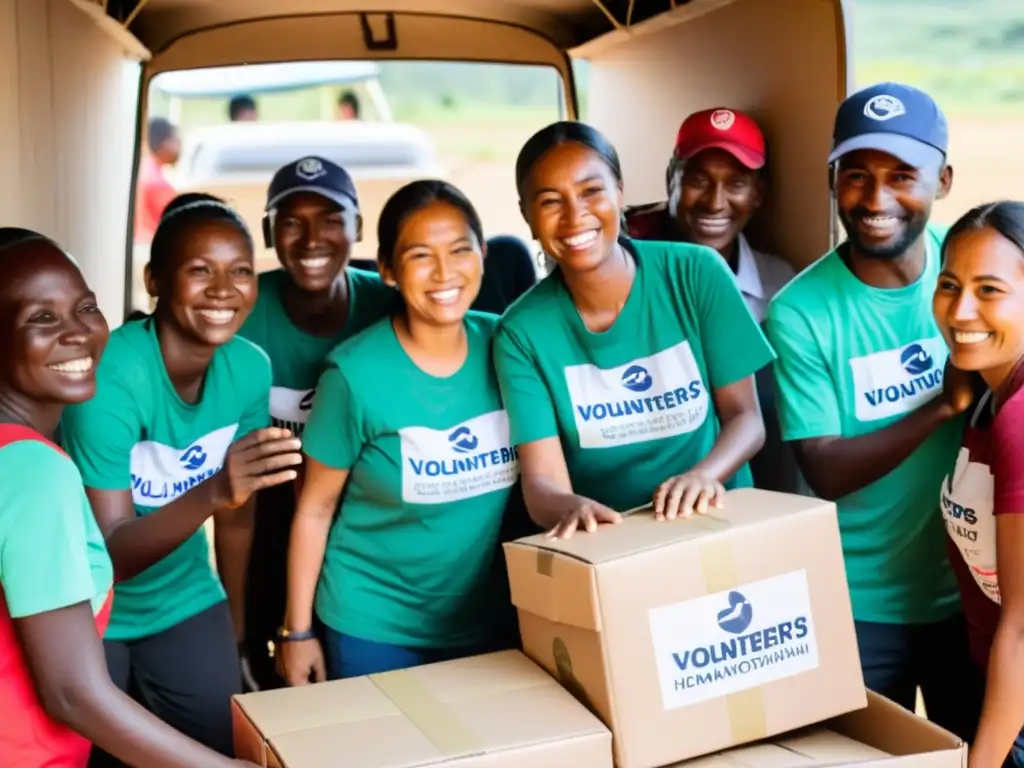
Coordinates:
157 23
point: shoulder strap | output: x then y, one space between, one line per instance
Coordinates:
15 433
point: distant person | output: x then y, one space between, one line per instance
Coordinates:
715 183
348 106
153 190
873 410
242 109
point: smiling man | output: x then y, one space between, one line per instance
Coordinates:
870 406
715 182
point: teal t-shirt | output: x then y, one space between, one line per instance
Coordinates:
632 405
137 434
52 553
409 555
853 359
297 357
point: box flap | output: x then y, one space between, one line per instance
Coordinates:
809 748
640 531
550 585
422 716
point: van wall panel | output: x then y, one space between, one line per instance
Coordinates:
780 60
68 130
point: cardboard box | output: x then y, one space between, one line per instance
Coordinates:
691 636
498 710
884 735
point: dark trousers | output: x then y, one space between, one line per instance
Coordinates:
266 589
897 658
185 675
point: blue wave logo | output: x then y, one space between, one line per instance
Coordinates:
463 441
637 378
737 617
193 458
915 360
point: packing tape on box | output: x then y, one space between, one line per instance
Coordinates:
746 708
441 728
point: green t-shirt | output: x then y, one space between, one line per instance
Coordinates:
853 359
138 434
52 553
409 555
633 405
298 357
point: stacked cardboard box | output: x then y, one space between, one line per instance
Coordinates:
720 641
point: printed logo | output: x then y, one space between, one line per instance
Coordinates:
486 460
723 119
463 441
665 397
737 617
161 473
915 360
637 378
310 169
704 652
967 510
897 381
193 458
884 107
290 408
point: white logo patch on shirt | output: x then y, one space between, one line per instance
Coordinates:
290 406
967 508
649 398
161 473
467 460
898 380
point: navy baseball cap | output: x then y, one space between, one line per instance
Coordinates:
897 119
313 174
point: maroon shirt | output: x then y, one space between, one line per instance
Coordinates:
988 480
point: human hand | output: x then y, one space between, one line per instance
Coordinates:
682 495
257 461
957 388
584 513
298 659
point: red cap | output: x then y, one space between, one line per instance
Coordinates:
723 128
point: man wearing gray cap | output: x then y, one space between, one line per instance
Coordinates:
871 407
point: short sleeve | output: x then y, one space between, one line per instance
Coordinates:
734 345
527 399
805 391
100 433
44 563
259 376
335 432
1008 457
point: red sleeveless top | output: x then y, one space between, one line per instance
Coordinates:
28 737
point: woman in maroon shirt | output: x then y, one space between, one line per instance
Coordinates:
979 305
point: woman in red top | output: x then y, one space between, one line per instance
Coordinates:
979 305
55 574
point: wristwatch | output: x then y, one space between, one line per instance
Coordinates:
285 635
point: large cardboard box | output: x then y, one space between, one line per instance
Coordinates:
498 710
884 735
691 636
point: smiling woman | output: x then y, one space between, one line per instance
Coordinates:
177 433
407 421
55 574
627 372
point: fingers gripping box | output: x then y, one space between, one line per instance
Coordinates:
690 636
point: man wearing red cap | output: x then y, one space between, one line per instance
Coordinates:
715 185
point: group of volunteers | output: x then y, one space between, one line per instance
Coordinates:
365 439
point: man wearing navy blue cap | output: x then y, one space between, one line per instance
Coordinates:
871 407
314 302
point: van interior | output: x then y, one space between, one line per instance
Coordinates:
84 76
